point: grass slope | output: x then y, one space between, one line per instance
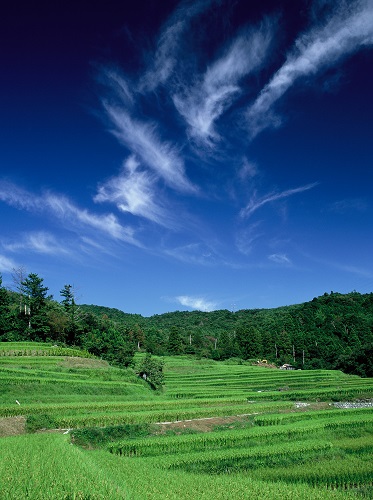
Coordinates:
289 441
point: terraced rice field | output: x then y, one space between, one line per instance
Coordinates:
218 430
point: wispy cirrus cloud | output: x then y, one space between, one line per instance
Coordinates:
38 241
195 253
280 258
170 40
198 303
66 212
348 205
142 139
204 102
357 270
118 89
13 195
107 223
348 268
247 237
7 265
348 29
134 191
247 170
257 202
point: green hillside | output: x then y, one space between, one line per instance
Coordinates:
217 429
334 331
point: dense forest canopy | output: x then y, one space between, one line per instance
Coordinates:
333 331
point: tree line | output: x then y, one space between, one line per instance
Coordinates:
333 331
29 313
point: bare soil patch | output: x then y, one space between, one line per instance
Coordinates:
265 365
201 424
210 423
12 426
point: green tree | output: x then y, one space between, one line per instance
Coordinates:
175 342
73 327
155 341
227 346
35 307
284 347
249 340
109 341
5 314
358 362
58 322
151 370
68 299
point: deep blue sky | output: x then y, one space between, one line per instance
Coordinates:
162 156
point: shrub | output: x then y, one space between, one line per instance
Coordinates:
38 422
96 437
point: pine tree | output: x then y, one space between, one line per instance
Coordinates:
175 342
249 340
35 307
72 311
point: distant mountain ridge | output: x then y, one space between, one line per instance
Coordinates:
331 331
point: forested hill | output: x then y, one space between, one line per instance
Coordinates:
331 331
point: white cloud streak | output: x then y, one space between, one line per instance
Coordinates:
203 104
7 265
256 203
106 223
349 205
280 258
70 215
246 238
198 303
40 242
348 30
196 253
134 191
248 170
142 139
170 41
349 268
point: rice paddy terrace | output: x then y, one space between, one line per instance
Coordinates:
74 427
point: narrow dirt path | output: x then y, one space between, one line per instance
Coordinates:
12 426
206 424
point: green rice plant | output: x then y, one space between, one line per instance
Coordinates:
220 464
40 349
222 461
249 437
82 407
40 467
10 346
364 421
94 437
115 418
145 479
281 419
46 467
343 473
